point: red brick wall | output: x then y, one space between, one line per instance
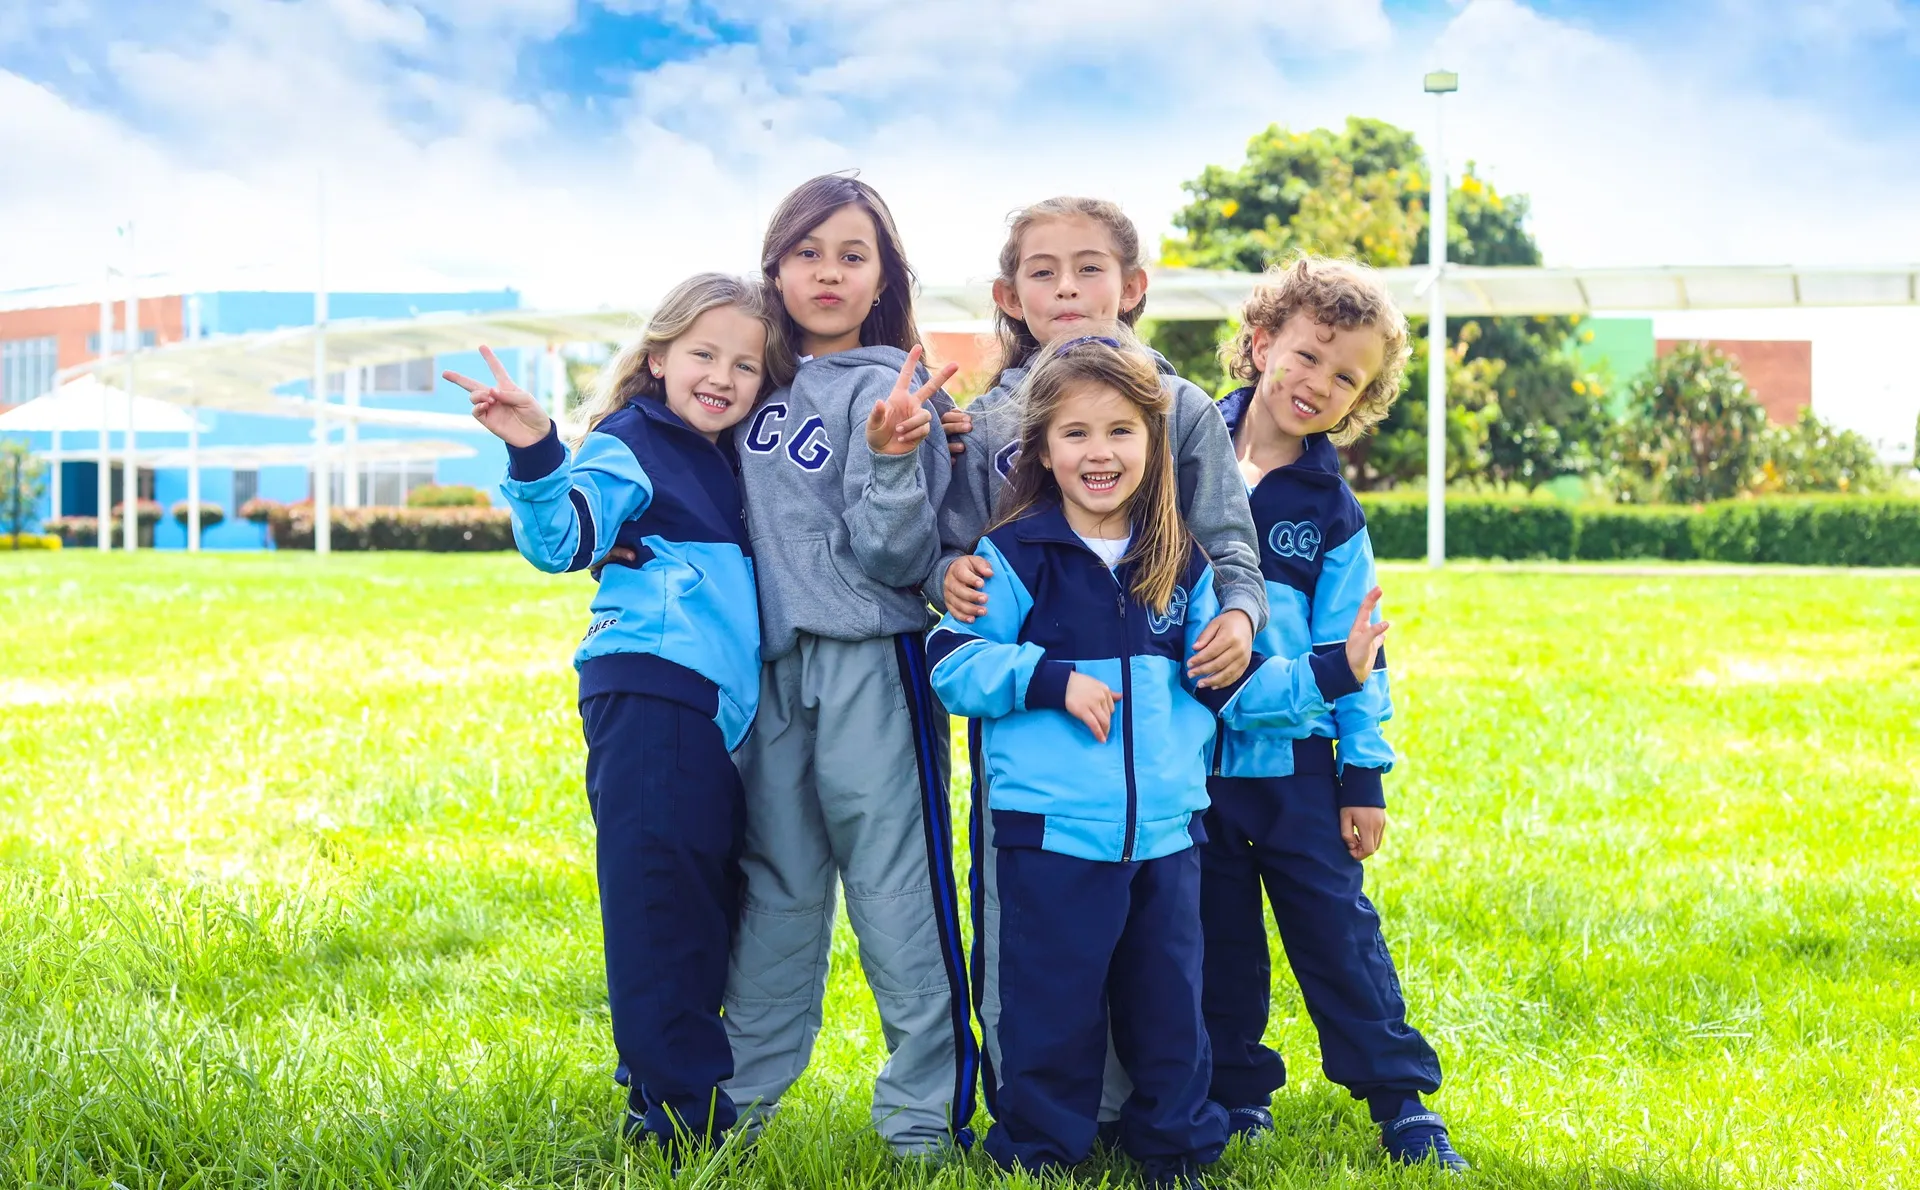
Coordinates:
72 324
1780 372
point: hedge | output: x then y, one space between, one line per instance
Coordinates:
74 531
210 514
441 530
451 495
30 541
1802 530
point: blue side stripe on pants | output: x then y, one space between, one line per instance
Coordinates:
939 831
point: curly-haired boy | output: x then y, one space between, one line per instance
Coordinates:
1323 351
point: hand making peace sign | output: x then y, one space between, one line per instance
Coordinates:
504 407
897 424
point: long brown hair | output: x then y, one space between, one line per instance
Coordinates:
626 376
1161 544
1016 340
888 324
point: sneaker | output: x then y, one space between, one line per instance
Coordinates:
1248 1123
1419 1137
1107 1133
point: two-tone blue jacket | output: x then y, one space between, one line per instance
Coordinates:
1317 560
1053 609
682 622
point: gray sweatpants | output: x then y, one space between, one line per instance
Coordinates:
846 777
1115 1086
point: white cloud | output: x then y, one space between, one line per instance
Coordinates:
958 112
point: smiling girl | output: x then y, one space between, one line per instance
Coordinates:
1094 743
669 668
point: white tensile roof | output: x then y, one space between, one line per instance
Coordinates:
85 404
240 372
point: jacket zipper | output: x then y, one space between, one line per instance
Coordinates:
1126 726
1219 743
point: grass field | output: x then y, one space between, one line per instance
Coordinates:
296 891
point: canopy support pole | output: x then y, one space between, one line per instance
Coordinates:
103 510
130 469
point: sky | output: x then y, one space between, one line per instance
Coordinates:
589 153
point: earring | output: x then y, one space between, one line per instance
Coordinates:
876 302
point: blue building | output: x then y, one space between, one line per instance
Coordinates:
35 342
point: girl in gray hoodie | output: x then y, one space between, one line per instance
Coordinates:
846 768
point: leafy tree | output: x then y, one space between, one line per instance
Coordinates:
22 483
1361 193
1693 431
1812 456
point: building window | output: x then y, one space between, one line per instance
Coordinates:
117 341
407 376
382 484
246 486
27 367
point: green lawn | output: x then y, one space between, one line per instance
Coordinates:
296 883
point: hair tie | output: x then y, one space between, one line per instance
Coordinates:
1070 344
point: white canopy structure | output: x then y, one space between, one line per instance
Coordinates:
381 450
243 372
87 405
1176 295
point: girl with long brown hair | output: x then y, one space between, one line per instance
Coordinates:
846 767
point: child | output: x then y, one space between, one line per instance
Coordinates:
1070 264
1324 349
846 769
1097 593
669 669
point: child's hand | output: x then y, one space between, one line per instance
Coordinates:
898 424
504 407
1091 701
1363 643
955 422
1223 649
964 589
1362 828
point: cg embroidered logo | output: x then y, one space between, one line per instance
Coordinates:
1174 616
1003 462
1295 539
807 447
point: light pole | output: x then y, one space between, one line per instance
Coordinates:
1439 83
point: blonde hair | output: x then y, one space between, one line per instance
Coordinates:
1337 293
1016 340
626 377
1161 545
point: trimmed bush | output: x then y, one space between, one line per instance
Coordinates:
146 513
452 495
30 541
439 530
1811 531
1477 527
259 510
1620 531
77 531
210 514
1798 530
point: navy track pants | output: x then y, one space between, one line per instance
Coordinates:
1081 942
1283 833
668 821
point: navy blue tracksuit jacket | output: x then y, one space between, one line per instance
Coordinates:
1274 821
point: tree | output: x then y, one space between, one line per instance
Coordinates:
22 483
1693 431
1812 456
1361 193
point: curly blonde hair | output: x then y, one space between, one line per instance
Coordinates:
1337 293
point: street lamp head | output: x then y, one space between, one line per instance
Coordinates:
1439 82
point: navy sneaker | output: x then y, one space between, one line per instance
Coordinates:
1248 1123
1418 1137
1107 1133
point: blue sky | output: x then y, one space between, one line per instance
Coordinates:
595 152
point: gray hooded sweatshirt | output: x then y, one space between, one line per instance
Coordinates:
1213 495
842 537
